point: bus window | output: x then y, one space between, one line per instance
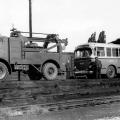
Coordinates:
119 52
108 52
80 53
115 52
94 51
100 51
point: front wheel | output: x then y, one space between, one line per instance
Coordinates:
110 72
50 71
3 71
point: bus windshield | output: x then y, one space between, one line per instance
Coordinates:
83 52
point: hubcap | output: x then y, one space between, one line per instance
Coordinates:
50 71
111 72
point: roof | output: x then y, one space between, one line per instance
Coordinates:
98 45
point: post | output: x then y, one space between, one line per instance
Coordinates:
30 19
18 75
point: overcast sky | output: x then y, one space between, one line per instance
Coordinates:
72 19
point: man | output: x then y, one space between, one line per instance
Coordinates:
98 67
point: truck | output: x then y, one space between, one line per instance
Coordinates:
33 56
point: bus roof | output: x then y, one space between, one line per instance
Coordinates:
111 45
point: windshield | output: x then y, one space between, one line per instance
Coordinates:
83 52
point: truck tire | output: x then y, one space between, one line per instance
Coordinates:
111 73
3 71
50 71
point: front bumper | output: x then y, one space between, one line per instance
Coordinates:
84 72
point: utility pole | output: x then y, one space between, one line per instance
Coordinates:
30 18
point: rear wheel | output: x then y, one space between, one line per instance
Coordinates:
50 71
111 73
3 71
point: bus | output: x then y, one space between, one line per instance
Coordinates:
107 53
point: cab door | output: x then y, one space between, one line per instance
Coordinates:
15 50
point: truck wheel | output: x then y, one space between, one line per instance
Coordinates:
50 71
110 72
3 71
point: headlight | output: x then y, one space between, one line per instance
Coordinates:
68 61
90 66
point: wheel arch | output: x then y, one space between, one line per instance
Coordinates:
51 61
7 64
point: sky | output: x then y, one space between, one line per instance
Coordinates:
72 19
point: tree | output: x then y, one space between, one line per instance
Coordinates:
92 38
102 37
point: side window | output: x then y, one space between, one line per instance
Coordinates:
119 52
100 51
94 51
115 52
108 50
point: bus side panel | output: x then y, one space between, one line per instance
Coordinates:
109 61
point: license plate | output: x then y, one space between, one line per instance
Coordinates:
21 67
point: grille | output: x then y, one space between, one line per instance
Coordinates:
82 64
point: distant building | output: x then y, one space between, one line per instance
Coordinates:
117 41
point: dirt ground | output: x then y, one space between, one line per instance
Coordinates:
99 112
